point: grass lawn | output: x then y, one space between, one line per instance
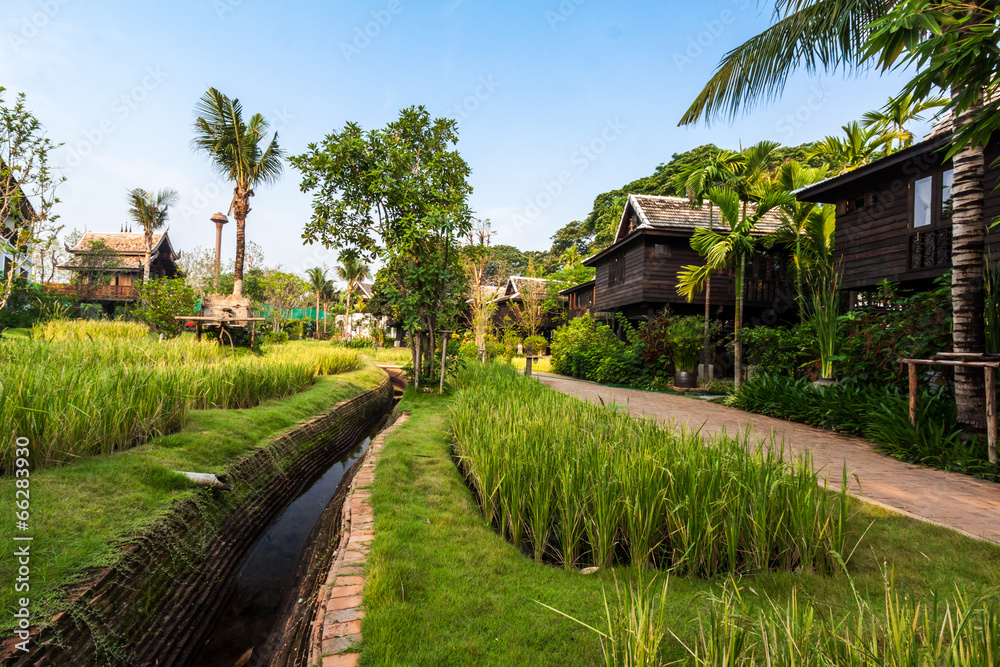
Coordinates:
81 510
444 588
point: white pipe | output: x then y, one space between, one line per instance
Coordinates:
206 479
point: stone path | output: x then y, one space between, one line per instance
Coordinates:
966 504
336 636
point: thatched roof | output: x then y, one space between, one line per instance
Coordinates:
675 213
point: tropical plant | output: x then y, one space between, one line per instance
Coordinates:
898 112
991 310
352 270
318 282
149 211
235 149
330 293
823 314
859 145
164 299
684 336
730 250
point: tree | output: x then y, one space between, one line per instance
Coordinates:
234 147
318 282
730 250
897 113
859 145
352 270
398 194
329 293
282 292
570 274
198 266
162 299
27 187
531 312
478 258
95 267
149 211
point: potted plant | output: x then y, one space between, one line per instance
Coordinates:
684 336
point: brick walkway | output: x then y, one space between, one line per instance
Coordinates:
336 634
966 504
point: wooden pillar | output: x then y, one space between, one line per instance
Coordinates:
527 361
416 362
197 329
444 355
913 394
991 411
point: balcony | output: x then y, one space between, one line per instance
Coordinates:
95 293
930 249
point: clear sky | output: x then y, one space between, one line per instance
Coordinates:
586 90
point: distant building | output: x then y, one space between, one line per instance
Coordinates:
11 227
123 273
511 299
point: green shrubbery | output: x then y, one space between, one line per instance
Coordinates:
586 349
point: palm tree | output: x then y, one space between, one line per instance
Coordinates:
798 218
352 270
897 113
730 250
859 145
834 35
149 211
695 182
234 147
317 281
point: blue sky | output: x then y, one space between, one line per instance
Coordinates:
558 100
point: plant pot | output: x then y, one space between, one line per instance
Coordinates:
685 379
822 383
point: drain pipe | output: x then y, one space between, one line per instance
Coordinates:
205 479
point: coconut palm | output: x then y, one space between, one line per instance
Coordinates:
897 113
235 148
149 211
729 250
352 270
833 35
859 145
720 168
317 281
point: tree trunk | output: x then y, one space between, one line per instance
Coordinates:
798 276
241 206
737 325
967 248
706 353
347 317
148 259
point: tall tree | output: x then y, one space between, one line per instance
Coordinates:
352 270
897 114
236 149
318 282
149 211
478 257
859 145
729 250
398 194
27 188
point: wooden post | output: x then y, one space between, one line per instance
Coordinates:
991 412
253 333
527 361
197 329
913 394
416 363
444 353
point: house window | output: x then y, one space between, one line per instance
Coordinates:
923 191
947 206
661 252
616 270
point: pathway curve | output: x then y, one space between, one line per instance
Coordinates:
966 504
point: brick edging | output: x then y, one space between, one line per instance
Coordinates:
337 623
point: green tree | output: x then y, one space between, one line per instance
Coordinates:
25 176
730 250
352 270
282 292
149 211
859 145
398 194
162 299
235 148
318 281
898 112
94 268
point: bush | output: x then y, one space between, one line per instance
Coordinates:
276 338
360 343
538 344
509 342
468 351
780 351
163 298
685 336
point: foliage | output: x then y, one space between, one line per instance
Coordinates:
779 351
27 304
234 147
859 145
352 269
538 344
163 298
991 310
95 267
823 314
575 483
478 256
570 274
685 336
149 211
275 338
509 340
84 388
589 350
282 292
360 343
27 189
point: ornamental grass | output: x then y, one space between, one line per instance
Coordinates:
79 395
577 484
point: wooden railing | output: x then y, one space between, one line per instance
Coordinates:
124 292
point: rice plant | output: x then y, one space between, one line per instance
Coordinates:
576 484
80 389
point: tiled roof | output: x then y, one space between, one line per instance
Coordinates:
657 212
366 288
125 243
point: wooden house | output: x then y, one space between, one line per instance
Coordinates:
15 212
511 299
580 300
894 215
637 274
123 272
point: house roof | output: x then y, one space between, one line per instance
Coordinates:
130 246
582 286
517 284
489 292
366 289
676 213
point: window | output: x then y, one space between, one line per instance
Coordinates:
616 270
922 193
946 198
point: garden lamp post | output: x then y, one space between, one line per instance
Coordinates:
219 219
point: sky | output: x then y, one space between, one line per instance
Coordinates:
557 100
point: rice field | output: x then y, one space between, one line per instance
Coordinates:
80 389
576 484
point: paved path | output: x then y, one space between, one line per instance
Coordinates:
969 505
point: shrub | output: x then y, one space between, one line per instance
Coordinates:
685 336
538 344
163 298
276 338
780 351
509 341
468 351
360 343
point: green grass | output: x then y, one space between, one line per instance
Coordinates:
542 364
389 355
17 333
444 588
79 512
